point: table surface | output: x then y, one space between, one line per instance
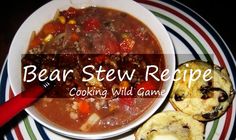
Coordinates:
219 14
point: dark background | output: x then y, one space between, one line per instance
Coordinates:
220 14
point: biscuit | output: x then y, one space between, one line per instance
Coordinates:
171 125
203 100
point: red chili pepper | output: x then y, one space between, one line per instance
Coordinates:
147 85
126 101
91 25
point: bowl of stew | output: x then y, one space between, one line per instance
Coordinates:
73 34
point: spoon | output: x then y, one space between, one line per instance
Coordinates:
18 103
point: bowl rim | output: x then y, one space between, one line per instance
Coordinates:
148 113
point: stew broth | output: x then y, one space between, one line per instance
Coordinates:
97 36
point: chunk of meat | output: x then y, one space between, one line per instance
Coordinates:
91 24
105 43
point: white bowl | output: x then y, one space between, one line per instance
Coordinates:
45 13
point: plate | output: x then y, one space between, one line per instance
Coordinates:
192 37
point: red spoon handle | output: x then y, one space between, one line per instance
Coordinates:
16 104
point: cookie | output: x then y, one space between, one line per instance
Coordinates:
204 100
171 125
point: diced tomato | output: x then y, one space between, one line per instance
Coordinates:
35 42
70 13
53 27
147 85
126 101
84 107
48 28
127 45
74 37
91 24
99 59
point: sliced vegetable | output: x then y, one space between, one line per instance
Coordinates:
92 120
57 14
33 35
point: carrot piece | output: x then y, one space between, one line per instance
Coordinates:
84 107
35 42
74 37
53 28
127 45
